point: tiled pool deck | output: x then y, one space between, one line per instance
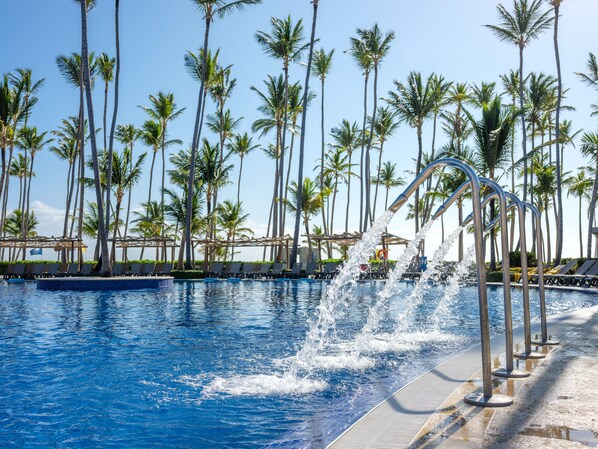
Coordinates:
556 407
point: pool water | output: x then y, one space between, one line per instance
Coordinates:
150 369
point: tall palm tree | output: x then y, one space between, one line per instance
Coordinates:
164 110
312 41
310 206
589 148
544 191
125 174
321 67
175 209
241 145
273 107
525 23
347 136
210 10
385 126
556 6
102 231
106 69
387 177
414 103
286 44
492 135
363 60
377 45
149 223
31 141
18 169
579 185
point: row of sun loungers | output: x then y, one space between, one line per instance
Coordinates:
37 270
586 275
249 270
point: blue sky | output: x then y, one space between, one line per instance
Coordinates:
431 35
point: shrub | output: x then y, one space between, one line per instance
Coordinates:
515 259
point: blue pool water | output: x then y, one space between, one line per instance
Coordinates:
141 368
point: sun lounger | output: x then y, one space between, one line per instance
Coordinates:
86 269
37 270
166 269
118 269
147 269
263 271
310 269
215 269
247 269
233 270
52 270
72 269
590 279
329 270
16 270
276 270
135 269
550 278
577 276
295 271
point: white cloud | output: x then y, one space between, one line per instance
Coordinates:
51 219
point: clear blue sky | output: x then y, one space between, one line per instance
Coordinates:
431 35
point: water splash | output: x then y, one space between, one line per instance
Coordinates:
444 307
377 311
335 300
419 292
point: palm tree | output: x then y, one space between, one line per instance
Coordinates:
128 135
387 177
524 24
149 223
363 60
164 110
385 126
273 107
30 140
337 167
347 137
579 185
233 222
312 41
102 231
321 67
66 149
285 44
18 169
106 69
589 148
210 9
492 135
556 5
414 103
377 46
175 209
241 145
310 198
151 136
125 174
544 191
71 68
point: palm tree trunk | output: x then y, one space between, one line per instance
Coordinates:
492 237
104 115
149 195
417 170
531 187
460 213
239 181
282 151
324 224
580 230
559 186
368 210
333 203
94 150
548 245
115 231
348 193
302 142
523 136
194 146
27 204
288 176
592 211
378 177
362 154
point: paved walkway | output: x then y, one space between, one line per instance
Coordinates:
556 407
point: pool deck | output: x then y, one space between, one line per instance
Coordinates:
558 401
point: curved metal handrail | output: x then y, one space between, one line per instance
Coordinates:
484 398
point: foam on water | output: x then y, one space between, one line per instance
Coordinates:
262 385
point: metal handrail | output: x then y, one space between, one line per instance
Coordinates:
485 397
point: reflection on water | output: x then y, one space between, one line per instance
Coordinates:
586 437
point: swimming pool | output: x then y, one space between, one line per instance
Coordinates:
151 368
